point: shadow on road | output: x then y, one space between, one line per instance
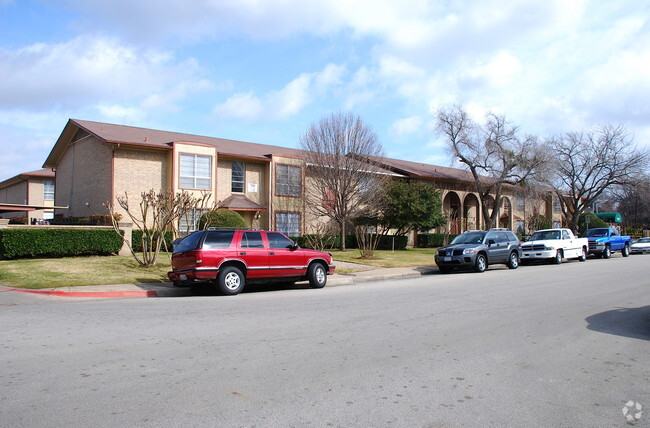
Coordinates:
628 322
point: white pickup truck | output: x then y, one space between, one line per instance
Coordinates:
554 245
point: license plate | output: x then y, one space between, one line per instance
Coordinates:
182 277
446 259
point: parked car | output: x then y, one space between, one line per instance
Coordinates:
230 258
554 245
603 241
640 246
477 249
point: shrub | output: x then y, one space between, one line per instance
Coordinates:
393 242
103 219
333 241
594 222
18 220
538 222
25 243
222 218
93 220
434 240
136 240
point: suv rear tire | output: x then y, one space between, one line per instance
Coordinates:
625 251
231 281
317 275
513 260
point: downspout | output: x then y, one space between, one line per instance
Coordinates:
270 191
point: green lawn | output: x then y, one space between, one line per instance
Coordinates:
96 270
385 258
73 271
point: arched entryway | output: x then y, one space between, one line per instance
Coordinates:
489 204
451 208
505 216
471 213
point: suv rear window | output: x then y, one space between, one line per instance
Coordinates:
190 242
218 239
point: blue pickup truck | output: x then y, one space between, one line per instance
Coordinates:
603 241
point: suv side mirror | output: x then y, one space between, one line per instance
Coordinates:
491 242
294 246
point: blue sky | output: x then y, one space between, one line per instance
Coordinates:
264 70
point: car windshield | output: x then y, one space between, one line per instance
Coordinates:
469 238
643 241
595 233
544 235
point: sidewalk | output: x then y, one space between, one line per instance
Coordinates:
166 289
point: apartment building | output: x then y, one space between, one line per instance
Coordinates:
29 195
97 162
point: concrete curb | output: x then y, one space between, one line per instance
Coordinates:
89 294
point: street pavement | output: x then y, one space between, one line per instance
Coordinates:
540 346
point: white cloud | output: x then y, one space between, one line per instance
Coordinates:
88 71
407 125
283 103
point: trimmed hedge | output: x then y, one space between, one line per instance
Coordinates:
385 242
335 240
92 220
433 240
136 240
388 243
27 243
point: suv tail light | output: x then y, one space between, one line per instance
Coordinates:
198 257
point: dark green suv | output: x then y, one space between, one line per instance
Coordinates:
477 249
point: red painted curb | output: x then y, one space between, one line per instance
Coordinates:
62 293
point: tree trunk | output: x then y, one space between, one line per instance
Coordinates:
342 235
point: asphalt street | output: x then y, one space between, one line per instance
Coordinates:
543 345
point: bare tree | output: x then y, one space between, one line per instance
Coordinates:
586 164
494 153
339 151
156 212
633 201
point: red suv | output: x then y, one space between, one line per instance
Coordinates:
232 257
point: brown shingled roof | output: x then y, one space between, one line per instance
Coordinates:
422 170
240 203
123 134
44 173
163 139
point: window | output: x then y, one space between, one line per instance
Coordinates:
48 190
218 239
288 223
195 172
556 205
238 174
190 242
278 240
287 180
329 200
252 240
520 202
190 222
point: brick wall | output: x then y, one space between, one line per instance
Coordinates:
138 171
83 178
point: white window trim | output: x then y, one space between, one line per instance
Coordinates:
194 177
